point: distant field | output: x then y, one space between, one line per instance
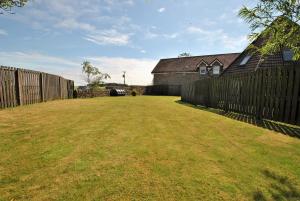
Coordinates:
141 148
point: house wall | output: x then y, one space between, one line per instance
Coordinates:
175 78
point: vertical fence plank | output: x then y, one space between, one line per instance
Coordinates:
1 91
289 94
295 96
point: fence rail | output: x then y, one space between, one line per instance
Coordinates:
23 87
271 93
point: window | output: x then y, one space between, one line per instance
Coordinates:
202 70
288 55
245 60
216 70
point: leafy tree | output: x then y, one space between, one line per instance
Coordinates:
7 5
280 21
184 54
93 76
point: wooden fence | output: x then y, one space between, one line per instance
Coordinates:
163 90
271 93
23 87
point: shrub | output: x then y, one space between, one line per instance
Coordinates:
75 94
133 93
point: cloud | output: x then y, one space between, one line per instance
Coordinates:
117 2
108 37
151 35
218 37
161 10
73 24
143 51
171 36
138 70
66 15
196 30
66 68
3 32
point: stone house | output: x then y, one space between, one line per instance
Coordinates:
177 71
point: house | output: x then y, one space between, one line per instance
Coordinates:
177 71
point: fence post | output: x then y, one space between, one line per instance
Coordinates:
226 88
41 87
259 94
209 85
18 84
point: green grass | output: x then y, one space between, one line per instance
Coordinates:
141 148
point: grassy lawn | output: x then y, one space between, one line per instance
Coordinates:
141 148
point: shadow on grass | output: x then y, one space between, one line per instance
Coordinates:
280 188
267 124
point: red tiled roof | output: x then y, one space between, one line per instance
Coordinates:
189 64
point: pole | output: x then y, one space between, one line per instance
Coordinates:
124 76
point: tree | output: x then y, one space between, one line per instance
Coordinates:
184 54
7 5
280 21
93 76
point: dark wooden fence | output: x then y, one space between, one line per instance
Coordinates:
272 93
22 87
163 90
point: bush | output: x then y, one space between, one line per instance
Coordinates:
133 93
75 94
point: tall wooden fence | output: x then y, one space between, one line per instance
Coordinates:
22 87
272 93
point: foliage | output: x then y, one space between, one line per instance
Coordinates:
280 19
7 5
133 93
93 76
75 94
184 54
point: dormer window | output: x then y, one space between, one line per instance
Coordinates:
202 67
245 60
202 70
216 67
288 55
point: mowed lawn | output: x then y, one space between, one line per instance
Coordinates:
141 148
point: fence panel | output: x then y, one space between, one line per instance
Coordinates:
22 87
7 87
271 93
29 86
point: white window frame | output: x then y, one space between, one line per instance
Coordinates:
201 68
214 70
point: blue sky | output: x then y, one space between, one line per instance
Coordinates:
118 35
